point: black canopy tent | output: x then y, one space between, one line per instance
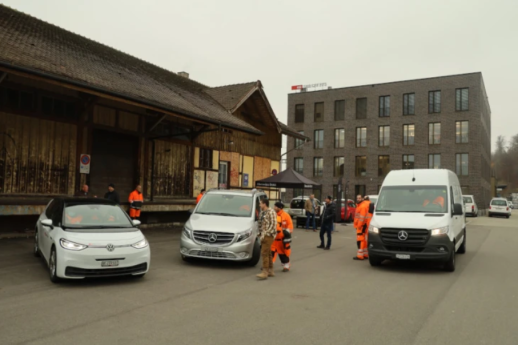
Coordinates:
287 179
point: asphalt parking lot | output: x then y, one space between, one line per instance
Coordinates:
327 298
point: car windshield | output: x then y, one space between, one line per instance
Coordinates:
499 203
468 200
225 205
95 216
429 199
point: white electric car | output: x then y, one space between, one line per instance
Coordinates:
83 238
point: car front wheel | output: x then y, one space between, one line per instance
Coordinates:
53 266
36 245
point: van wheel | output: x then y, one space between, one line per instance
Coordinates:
374 261
449 266
462 248
256 256
186 258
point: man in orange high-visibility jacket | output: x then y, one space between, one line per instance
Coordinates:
367 222
282 244
136 199
360 221
198 198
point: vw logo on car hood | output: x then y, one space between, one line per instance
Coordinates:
402 235
110 247
213 237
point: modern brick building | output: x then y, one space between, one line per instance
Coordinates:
363 132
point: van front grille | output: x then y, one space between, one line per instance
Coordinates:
208 254
215 238
415 237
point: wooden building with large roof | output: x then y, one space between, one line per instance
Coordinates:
63 96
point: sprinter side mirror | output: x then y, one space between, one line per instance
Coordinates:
457 210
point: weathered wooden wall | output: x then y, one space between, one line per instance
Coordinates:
172 172
36 156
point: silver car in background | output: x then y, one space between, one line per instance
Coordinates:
223 226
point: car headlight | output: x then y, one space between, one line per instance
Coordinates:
187 232
72 245
244 235
374 229
143 243
440 231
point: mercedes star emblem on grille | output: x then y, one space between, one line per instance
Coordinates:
213 237
402 235
110 247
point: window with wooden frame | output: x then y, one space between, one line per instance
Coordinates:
205 161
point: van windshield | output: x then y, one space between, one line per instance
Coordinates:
428 199
225 205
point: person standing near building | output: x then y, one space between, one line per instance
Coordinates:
112 194
84 192
360 223
311 207
198 198
282 244
327 221
267 234
136 199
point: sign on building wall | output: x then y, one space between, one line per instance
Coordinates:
84 161
245 180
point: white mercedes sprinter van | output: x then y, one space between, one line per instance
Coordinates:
419 216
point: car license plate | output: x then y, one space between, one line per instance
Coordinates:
110 263
403 256
211 249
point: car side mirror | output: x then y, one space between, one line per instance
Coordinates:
47 223
458 210
136 222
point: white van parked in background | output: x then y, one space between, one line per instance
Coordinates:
419 216
470 207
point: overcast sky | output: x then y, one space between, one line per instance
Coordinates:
285 42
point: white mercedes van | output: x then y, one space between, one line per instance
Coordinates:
419 216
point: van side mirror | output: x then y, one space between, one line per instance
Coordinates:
47 223
457 210
136 222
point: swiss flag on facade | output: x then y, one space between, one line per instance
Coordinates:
296 87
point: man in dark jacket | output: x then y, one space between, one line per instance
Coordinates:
327 222
84 192
112 194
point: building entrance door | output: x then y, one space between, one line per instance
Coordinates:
114 160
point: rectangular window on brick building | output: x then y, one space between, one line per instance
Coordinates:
360 166
384 136
434 161
434 133
461 163
361 108
461 99
319 139
359 189
434 102
318 166
383 165
299 143
299 113
409 104
384 106
319 112
461 132
408 162
361 137
408 135
339 138
339 110
205 159
339 167
299 165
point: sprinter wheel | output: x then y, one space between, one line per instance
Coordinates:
449 266
462 248
374 261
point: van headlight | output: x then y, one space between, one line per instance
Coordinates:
440 231
374 229
72 245
187 232
244 235
143 243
